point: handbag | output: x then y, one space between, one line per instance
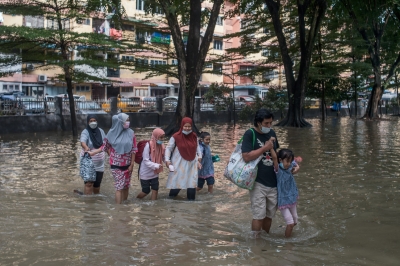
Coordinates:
238 171
87 170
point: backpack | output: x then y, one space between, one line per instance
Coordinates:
139 154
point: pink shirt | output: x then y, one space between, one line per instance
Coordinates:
119 159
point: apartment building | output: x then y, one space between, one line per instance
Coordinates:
124 82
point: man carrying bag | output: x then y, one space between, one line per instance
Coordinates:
263 196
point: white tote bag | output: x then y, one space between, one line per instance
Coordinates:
238 171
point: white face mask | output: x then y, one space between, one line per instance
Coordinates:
93 125
186 132
265 130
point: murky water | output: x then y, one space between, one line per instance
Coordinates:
348 209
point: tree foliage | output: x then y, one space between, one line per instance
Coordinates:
53 47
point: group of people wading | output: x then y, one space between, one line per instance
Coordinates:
183 156
189 161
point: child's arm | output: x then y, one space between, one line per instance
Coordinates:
274 158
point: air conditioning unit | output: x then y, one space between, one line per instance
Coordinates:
42 78
30 67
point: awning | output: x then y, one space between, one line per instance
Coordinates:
126 84
144 22
164 85
250 87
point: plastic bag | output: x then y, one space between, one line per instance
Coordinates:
87 170
238 171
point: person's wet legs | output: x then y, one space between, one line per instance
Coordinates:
88 189
191 193
174 192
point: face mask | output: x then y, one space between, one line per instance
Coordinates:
159 142
93 125
281 165
186 132
126 125
265 130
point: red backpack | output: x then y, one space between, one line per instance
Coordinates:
139 154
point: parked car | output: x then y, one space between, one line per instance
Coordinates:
148 104
246 99
88 107
124 105
31 105
76 97
170 103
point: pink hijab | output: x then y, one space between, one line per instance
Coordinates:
157 151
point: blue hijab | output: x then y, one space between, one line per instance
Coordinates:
121 139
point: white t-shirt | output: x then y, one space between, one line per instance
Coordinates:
147 167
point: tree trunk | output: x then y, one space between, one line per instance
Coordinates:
372 109
297 87
190 58
71 104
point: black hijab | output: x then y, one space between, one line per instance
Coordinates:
94 134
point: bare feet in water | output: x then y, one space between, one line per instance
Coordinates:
78 192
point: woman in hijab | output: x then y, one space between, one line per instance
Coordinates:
92 138
121 143
183 158
151 165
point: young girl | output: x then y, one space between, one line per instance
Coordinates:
287 189
151 166
206 173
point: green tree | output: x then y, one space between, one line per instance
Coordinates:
52 47
189 48
377 22
290 30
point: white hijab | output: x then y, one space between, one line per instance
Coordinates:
121 139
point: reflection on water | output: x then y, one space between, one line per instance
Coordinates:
348 207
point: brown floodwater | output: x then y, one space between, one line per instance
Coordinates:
349 205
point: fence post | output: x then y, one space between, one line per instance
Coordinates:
113 105
58 105
196 114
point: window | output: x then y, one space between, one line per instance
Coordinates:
246 68
208 65
11 87
127 89
142 61
113 72
82 88
265 30
127 58
158 10
220 21
4 87
34 22
174 62
217 44
127 27
142 36
158 62
176 90
139 4
53 24
218 69
16 87
265 52
84 21
271 74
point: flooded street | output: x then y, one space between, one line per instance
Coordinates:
349 205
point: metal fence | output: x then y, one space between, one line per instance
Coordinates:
32 106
